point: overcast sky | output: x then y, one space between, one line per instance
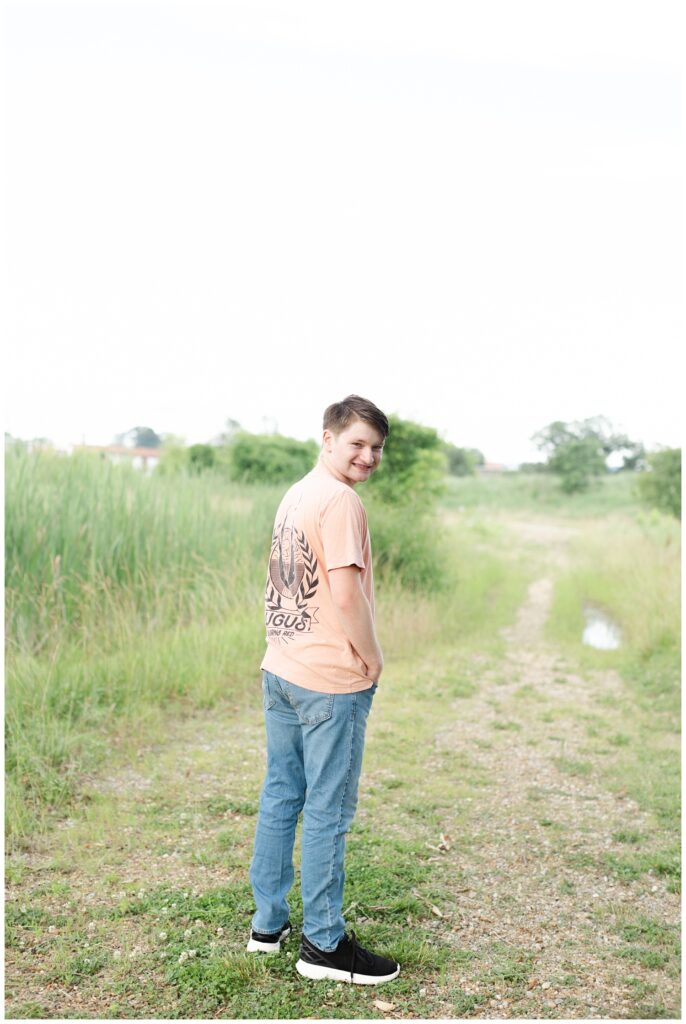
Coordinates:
469 212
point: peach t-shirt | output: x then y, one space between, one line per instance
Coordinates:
320 525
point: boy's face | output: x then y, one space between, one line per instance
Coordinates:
354 454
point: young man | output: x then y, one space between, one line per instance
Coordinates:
320 673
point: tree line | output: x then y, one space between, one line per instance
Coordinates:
417 460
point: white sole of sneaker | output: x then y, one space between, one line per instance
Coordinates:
268 947
318 973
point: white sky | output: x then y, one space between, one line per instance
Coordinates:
469 212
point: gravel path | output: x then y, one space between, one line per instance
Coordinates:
543 827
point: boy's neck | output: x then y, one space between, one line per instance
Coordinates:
322 462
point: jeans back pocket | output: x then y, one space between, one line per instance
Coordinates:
311 706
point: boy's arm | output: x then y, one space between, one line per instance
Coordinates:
355 616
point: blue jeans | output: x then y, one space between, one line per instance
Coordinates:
314 756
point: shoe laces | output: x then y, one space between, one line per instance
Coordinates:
358 952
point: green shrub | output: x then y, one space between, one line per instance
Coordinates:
401 500
407 547
462 461
660 485
271 458
413 467
576 461
201 456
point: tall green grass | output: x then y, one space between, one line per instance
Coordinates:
127 592
123 592
79 532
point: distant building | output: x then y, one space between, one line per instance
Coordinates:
141 458
493 467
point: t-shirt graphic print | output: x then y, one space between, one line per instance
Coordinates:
292 583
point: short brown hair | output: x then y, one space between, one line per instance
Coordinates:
341 414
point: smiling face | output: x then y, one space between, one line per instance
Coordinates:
354 454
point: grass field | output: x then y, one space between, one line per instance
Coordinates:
516 845
541 492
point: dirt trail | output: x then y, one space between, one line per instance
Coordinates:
534 882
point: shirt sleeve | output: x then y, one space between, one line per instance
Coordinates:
344 529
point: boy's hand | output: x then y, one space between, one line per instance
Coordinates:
374 669
355 616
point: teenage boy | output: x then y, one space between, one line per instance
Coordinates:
320 673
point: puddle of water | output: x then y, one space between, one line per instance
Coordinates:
600 631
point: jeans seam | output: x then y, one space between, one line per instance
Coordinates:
336 838
285 870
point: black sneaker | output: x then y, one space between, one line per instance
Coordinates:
349 961
268 942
